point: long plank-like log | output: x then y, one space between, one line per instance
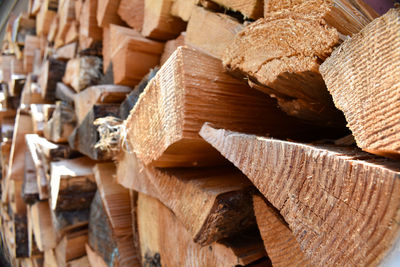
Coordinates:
163 126
340 203
175 246
365 87
212 204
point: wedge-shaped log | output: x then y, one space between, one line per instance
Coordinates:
132 12
163 126
211 32
43 230
72 184
212 203
339 202
158 23
279 241
175 246
52 72
365 87
89 32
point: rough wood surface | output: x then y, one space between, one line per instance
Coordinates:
279 241
43 230
212 204
52 72
158 23
163 126
364 87
341 203
61 124
72 184
175 246
132 12
67 51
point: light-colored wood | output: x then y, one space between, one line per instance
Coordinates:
183 8
95 260
50 258
67 52
182 96
339 202
66 13
98 94
72 184
81 262
211 32
48 10
53 31
43 230
72 34
32 43
279 241
106 49
212 203
175 247
36 6
132 12
364 86
89 32
82 72
107 13
52 72
62 123
170 47
71 246
252 9
158 23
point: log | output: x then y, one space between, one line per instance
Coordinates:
107 13
94 258
170 47
132 12
32 43
72 34
48 10
106 49
158 23
52 72
50 258
117 205
36 6
37 115
211 32
82 72
250 9
30 190
72 184
66 14
15 200
65 93
71 247
184 100
175 246
85 137
132 55
81 262
69 221
99 94
53 31
21 236
279 241
67 52
368 99
89 32
62 123
339 202
183 8
45 236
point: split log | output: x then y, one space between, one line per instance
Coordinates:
175 246
65 93
72 34
48 10
183 8
250 9
132 12
72 184
81 262
66 52
50 258
30 190
106 49
158 23
364 87
99 94
180 106
132 55
38 119
339 202
117 205
211 32
36 6
94 258
66 15
78 8
133 96
69 221
43 230
15 200
52 72
107 13
53 31
62 123
31 44
279 241
170 47
86 136
21 236
71 247
89 32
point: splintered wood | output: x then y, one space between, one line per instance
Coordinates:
341 215
365 86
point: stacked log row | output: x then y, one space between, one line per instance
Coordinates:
200 133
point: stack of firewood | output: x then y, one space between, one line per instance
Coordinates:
200 133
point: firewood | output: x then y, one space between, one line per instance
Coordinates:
72 184
116 203
223 194
78 8
43 230
107 13
279 241
6 68
170 47
98 94
321 193
48 10
250 9
36 6
21 236
106 49
132 12
72 34
82 72
32 93
37 114
53 31
183 8
85 136
71 246
94 258
51 73
50 258
65 93
30 190
31 44
61 124
132 55
133 96
15 201
175 111
66 14
211 32
89 32
175 246
66 52
68 221
363 87
158 23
